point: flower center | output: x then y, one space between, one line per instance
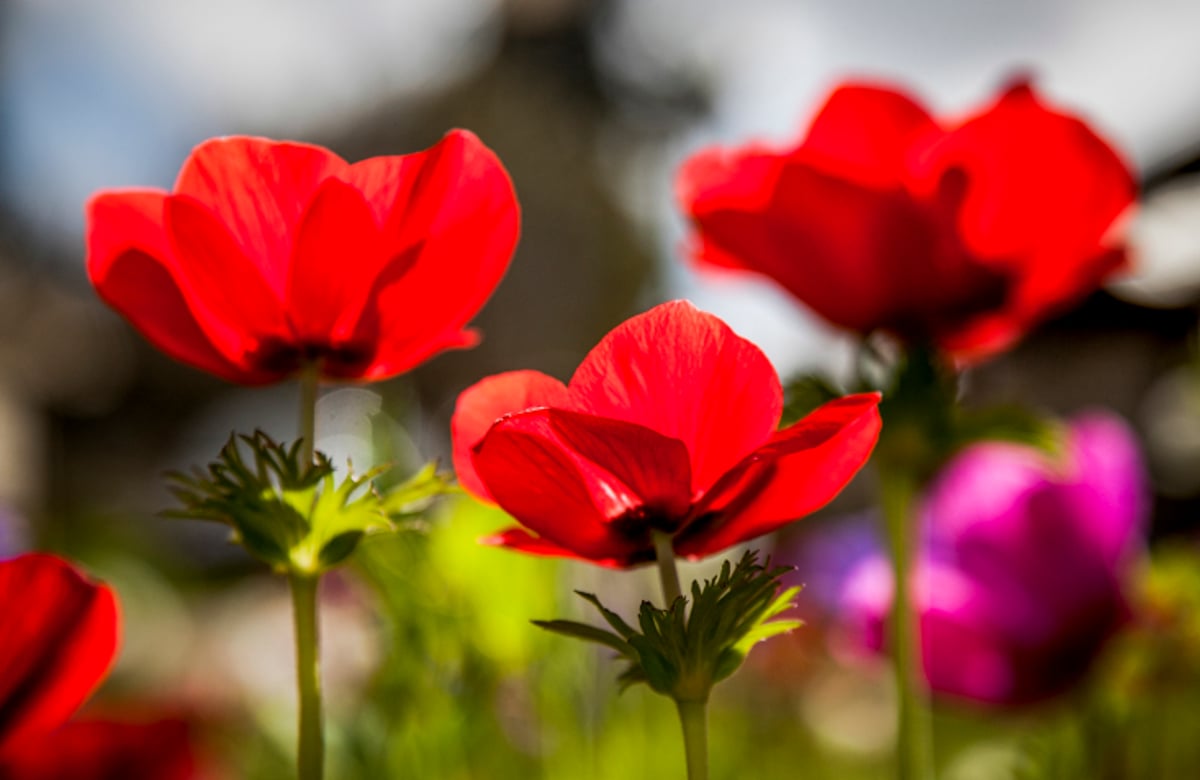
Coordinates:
333 360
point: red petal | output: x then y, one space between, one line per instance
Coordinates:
535 477
653 467
335 263
519 539
130 264
60 637
259 189
1038 182
485 402
714 182
864 132
103 750
800 470
228 295
685 374
454 220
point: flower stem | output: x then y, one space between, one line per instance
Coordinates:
693 716
309 379
664 553
899 488
310 760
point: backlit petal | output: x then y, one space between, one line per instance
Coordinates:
864 132
535 477
685 374
800 470
130 264
481 404
60 637
453 228
258 189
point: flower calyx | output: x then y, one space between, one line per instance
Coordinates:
683 652
296 516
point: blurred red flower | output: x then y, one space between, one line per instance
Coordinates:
668 425
105 750
960 234
269 256
59 637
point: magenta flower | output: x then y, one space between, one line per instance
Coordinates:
1020 578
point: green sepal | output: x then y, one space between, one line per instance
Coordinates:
296 517
700 639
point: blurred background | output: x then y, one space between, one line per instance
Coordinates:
591 106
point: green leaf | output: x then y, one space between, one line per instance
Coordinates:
588 633
415 494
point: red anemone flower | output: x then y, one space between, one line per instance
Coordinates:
106 750
59 637
272 256
960 234
668 426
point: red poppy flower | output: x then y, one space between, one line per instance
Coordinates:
270 256
59 639
105 750
668 425
963 235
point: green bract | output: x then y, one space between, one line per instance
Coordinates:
296 516
682 653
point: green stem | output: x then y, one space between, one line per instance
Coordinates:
310 760
664 553
309 379
693 716
899 488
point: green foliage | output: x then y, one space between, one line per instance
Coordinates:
682 653
292 515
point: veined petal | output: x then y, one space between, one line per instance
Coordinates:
535 477
130 264
336 261
60 637
258 189
800 470
452 225
685 374
229 297
654 467
485 402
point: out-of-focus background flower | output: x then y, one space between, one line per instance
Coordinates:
591 105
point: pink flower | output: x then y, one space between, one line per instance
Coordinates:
1021 577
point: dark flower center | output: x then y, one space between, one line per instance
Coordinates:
347 360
